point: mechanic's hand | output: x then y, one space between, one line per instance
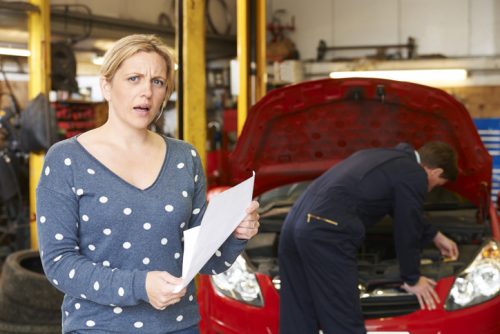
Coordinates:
446 246
424 290
160 286
249 226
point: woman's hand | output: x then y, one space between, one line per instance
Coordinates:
160 286
249 226
424 290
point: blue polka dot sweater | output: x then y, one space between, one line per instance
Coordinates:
99 236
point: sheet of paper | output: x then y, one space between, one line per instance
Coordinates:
223 214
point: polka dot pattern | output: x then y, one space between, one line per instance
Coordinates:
121 228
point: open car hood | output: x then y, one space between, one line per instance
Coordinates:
297 132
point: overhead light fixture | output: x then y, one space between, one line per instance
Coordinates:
14 52
98 60
441 76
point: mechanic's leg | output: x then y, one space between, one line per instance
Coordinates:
297 315
331 268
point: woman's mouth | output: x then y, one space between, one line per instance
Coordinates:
142 108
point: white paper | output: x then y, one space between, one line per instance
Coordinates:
224 213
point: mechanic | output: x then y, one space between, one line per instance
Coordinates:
326 226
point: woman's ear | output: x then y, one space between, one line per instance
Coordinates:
105 88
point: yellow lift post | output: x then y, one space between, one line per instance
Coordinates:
252 72
261 63
193 80
243 37
39 82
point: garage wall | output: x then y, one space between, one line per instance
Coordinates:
448 27
480 101
149 10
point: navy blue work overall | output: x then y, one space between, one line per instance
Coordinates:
324 229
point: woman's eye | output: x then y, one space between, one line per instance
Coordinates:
158 82
133 79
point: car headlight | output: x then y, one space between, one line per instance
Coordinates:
479 282
239 283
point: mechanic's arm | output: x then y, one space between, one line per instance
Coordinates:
408 228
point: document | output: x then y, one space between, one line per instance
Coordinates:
224 213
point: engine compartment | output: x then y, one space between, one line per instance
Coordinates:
378 269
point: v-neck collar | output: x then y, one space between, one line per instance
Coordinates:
122 180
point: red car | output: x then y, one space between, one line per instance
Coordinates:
296 133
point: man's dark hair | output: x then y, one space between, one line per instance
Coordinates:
438 154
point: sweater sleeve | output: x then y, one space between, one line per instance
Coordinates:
64 265
408 225
232 247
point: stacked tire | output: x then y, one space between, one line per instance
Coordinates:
28 302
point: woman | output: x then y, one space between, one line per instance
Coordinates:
113 203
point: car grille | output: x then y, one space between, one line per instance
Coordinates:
382 307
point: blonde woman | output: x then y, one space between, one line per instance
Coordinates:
112 205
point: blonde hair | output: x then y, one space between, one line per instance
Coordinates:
130 45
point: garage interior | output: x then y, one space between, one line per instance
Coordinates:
231 55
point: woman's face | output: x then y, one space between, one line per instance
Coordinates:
137 90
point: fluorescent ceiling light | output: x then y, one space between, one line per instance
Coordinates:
14 52
98 60
418 76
